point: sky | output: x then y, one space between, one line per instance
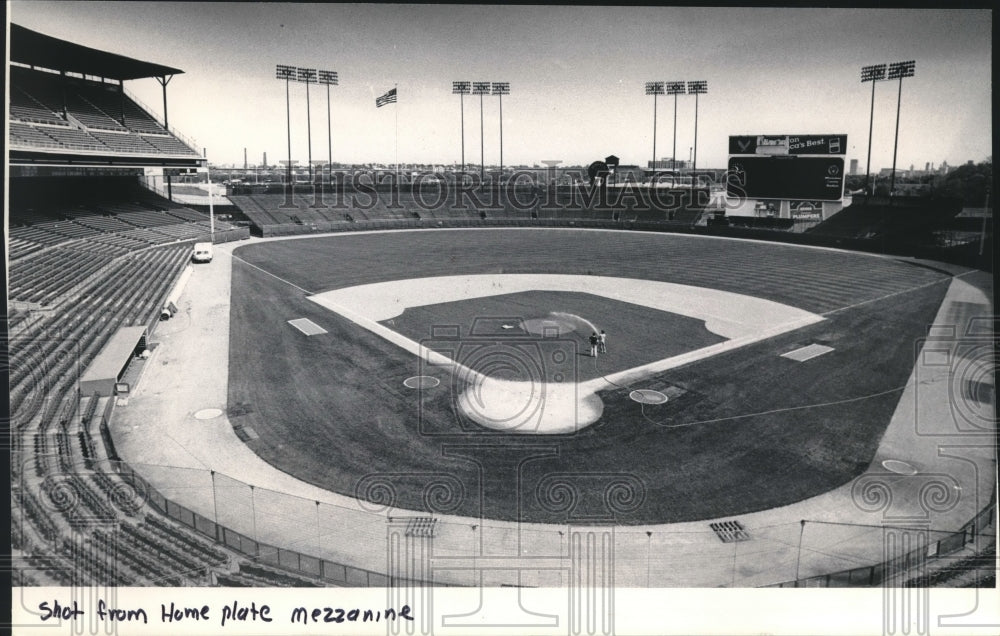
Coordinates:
576 74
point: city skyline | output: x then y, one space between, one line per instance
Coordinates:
576 76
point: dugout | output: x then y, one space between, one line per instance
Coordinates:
110 364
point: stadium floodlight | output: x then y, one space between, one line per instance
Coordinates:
696 88
462 89
328 78
675 89
898 70
500 89
481 88
287 73
307 75
873 73
654 89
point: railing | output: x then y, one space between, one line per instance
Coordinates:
879 573
290 560
90 148
191 143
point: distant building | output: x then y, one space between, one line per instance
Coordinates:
667 164
854 166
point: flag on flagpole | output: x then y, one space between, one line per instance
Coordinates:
388 98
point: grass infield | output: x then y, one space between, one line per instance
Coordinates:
744 431
643 334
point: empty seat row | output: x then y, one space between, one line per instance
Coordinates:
169 145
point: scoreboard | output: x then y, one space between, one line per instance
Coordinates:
789 178
786 167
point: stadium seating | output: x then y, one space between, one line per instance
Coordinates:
525 206
167 144
26 108
80 106
48 110
29 135
74 138
124 142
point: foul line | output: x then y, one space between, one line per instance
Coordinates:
897 293
784 410
257 267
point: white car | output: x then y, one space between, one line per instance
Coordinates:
202 253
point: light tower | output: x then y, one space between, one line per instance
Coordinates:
481 88
898 70
462 89
696 88
307 76
287 73
654 89
500 89
873 73
675 89
328 78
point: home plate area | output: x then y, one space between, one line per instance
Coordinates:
515 347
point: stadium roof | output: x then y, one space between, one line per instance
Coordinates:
37 49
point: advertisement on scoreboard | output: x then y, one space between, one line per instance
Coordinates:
787 144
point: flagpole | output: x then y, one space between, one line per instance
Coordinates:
395 87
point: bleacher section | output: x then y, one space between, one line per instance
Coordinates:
105 534
272 213
72 138
53 111
124 142
29 135
27 107
899 220
66 235
85 112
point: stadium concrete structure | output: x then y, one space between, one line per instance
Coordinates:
405 394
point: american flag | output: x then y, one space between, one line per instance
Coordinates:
388 98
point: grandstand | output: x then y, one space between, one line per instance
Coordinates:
89 250
350 208
57 108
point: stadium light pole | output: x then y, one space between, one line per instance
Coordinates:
211 203
328 78
481 88
287 73
654 89
675 89
696 88
462 89
307 76
500 89
873 73
898 70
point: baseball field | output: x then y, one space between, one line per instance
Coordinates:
743 428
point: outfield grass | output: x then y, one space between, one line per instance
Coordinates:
331 409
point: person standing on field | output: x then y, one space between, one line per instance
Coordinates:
602 341
594 340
